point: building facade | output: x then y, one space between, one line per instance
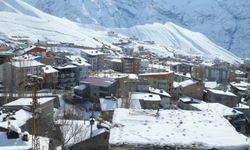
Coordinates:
95 58
161 80
131 65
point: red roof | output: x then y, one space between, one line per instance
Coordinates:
38 50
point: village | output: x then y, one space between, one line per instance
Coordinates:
64 96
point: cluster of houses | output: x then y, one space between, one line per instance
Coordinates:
132 101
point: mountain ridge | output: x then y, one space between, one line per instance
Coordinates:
225 22
28 21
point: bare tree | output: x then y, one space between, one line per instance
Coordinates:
71 131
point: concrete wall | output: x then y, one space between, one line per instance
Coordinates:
230 101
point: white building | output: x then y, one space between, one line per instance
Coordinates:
81 63
95 58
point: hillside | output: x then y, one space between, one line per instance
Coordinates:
225 22
18 18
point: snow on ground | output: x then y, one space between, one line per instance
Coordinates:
174 36
80 110
198 129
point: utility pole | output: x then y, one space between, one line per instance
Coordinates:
33 81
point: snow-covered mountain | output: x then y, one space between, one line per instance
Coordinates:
225 22
18 18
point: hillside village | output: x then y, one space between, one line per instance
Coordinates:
66 96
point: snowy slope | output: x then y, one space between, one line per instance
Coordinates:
226 22
17 18
179 38
20 19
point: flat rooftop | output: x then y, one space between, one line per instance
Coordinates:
99 81
159 92
109 104
26 63
92 52
186 129
49 69
216 108
21 116
221 92
19 144
27 101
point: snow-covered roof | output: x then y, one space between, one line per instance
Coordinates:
192 129
75 57
210 84
98 81
77 60
76 131
19 144
144 96
187 83
108 104
156 73
27 101
187 99
135 98
21 116
242 86
49 69
26 63
92 52
159 92
216 108
158 66
80 87
241 105
133 76
221 92
118 60
239 72
24 57
66 67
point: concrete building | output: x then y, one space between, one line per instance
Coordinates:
16 72
224 97
68 76
219 74
100 87
160 80
50 77
108 105
95 58
165 97
181 67
114 64
189 88
144 64
82 65
143 100
46 106
131 65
